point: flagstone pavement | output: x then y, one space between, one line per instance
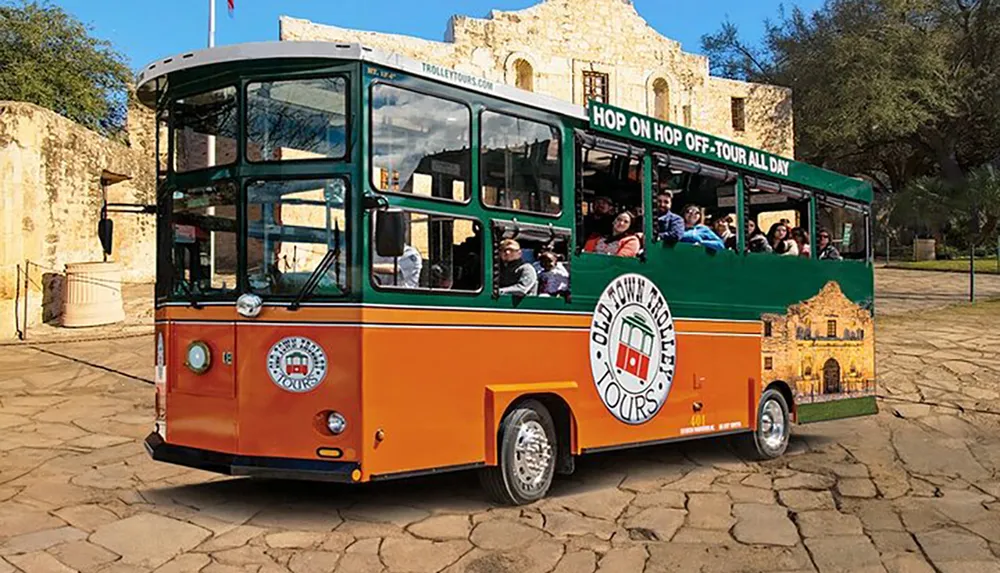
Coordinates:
915 488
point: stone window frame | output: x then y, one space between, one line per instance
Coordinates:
738 113
596 89
580 66
673 95
510 69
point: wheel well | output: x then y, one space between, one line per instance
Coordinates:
562 417
786 392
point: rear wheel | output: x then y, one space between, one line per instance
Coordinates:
527 456
770 439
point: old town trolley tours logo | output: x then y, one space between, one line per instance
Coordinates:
633 348
296 364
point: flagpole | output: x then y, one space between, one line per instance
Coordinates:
211 23
210 151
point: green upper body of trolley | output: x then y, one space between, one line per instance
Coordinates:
697 283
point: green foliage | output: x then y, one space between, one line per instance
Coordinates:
49 58
965 213
924 206
893 90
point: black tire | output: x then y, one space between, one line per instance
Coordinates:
508 482
765 443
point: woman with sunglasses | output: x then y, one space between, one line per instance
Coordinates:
825 248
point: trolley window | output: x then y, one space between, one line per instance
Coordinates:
295 227
297 119
205 130
520 164
441 253
420 144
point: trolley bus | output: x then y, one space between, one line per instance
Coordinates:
336 233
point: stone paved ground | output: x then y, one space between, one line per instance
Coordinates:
901 290
913 489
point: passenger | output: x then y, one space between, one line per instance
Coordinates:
825 248
722 229
669 226
441 277
801 238
517 276
781 243
756 240
468 267
404 271
599 221
554 278
697 233
622 242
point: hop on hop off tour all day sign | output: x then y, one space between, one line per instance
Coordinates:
623 123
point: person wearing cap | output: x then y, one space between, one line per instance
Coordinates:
669 226
598 222
517 276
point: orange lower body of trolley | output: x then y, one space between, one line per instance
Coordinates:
355 394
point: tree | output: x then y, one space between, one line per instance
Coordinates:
49 58
966 213
890 89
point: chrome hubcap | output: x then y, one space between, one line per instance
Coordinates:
772 425
532 454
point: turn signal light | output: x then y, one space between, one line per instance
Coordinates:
329 452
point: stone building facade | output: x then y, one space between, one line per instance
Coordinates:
578 49
823 348
52 176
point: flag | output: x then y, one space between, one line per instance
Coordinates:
231 4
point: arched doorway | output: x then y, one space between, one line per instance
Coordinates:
831 377
524 75
661 99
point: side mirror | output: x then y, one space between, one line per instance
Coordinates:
389 233
106 232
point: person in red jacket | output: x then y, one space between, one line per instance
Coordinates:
622 242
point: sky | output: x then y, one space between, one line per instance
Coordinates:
143 30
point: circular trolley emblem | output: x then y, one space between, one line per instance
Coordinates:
633 350
296 364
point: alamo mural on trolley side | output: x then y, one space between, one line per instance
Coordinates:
823 348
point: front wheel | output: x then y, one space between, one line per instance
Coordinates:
527 456
770 440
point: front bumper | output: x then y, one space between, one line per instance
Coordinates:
254 466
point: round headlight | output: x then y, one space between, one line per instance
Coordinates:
199 357
249 305
336 423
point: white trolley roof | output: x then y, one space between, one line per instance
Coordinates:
154 76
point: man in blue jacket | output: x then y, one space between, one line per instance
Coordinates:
669 226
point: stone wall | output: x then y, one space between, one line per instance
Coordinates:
50 200
560 39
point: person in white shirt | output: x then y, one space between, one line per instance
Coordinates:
553 279
406 268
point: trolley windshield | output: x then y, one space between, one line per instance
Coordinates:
254 201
